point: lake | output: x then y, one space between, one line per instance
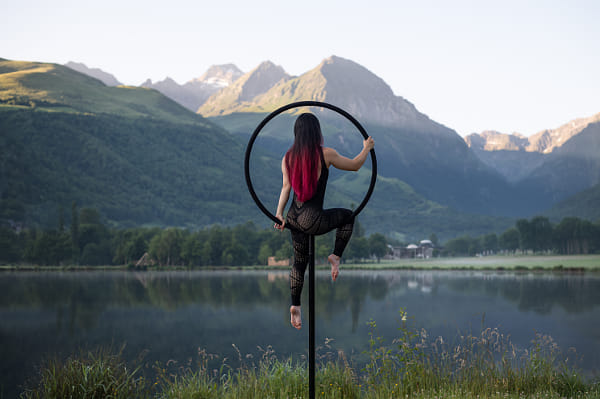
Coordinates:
166 316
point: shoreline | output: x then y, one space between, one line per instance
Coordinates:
543 263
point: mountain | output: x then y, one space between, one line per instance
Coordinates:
335 80
97 73
543 142
244 90
556 162
431 158
219 76
570 168
194 93
134 154
547 141
142 159
506 153
495 141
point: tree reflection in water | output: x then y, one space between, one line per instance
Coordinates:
172 314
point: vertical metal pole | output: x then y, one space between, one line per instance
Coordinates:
311 317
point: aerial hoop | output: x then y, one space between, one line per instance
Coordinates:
297 105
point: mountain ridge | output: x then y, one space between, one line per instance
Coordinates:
544 141
105 77
518 158
244 89
195 92
330 81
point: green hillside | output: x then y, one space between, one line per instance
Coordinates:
137 156
395 208
54 87
584 205
134 171
569 169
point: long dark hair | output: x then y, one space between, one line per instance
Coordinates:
303 158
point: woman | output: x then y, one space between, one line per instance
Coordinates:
305 169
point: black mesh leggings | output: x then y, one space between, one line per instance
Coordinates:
322 222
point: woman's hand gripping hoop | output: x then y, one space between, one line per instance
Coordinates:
278 222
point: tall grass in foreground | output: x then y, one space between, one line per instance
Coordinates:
99 374
485 365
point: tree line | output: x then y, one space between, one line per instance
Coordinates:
88 241
537 235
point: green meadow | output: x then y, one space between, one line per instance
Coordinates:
498 262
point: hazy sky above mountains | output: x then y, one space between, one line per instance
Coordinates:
512 66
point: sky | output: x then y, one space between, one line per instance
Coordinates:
510 66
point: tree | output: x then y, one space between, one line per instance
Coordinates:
542 233
285 251
75 233
458 246
509 240
490 243
574 236
48 248
166 247
434 240
527 239
192 249
358 248
378 246
61 219
214 245
263 253
92 233
234 255
10 248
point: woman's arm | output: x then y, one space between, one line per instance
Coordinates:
284 196
341 162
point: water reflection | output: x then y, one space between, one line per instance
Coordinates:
172 314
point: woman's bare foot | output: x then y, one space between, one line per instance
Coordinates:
335 265
296 317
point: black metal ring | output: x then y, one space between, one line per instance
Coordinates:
306 104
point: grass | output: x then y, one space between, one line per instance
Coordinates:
100 374
413 365
498 262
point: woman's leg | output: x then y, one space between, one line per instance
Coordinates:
343 220
336 218
300 243
342 236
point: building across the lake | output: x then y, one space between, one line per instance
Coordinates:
422 251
